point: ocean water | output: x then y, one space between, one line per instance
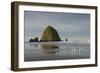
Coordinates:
39 51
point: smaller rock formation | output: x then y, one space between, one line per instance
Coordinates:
66 39
34 40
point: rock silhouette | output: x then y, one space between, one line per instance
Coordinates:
50 34
66 39
34 40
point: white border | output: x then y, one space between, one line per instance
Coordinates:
34 64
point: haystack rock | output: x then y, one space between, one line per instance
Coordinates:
50 34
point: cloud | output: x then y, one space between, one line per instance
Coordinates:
67 24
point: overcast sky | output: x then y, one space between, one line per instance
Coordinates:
74 26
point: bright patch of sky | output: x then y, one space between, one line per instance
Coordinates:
74 26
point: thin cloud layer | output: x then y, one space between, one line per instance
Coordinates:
74 26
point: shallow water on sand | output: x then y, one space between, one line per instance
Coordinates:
38 51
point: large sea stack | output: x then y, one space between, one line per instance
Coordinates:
50 34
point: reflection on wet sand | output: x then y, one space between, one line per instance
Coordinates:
34 44
55 51
49 48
